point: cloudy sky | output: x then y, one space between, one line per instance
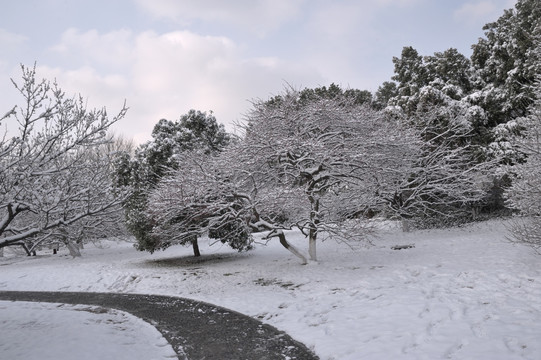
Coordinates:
165 57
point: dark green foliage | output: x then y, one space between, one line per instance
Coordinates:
233 231
410 72
447 75
494 201
195 131
385 92
449 69
334 92
507 63
488 92
494 86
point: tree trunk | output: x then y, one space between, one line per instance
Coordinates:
312 235
406 225
195 246
291 248
25 248
312 244
73 249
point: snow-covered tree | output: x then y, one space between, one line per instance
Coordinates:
385 92
449 179
318 165
195 131
437 92
507 64
495 83
525 192
110 224
205 196
449 73
53 175
331 155
410 76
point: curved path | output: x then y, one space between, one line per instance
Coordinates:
196 330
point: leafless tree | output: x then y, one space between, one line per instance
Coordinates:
53 167
448 181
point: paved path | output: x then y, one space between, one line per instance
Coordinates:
195 329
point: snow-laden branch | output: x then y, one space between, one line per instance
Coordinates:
55 171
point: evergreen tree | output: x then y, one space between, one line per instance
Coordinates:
449 71
507 64
385 92
194 132
410 75
494 86
488 91
335 92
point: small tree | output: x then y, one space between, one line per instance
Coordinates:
194 132
48 180
205 196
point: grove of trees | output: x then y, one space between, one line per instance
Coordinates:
55 167
321 165
310 164
449 139
497 91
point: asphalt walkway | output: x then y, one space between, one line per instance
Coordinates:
196 330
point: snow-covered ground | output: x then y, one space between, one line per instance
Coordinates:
462 293
42 331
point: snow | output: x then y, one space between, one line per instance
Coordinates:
462 293
58 331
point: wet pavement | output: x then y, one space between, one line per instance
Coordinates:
196 330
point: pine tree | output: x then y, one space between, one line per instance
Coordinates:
507 64
194 132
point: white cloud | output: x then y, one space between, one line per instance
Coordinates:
344 37
111 49
256 16
12 45
9 39
165 75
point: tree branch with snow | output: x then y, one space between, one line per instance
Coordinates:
55 169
